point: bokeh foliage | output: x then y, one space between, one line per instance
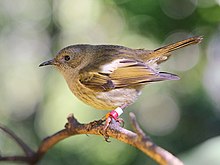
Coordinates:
181 116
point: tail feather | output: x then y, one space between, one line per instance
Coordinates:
161 54
168 76
161 76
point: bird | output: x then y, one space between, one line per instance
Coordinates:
111 77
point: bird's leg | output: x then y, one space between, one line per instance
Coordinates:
113 115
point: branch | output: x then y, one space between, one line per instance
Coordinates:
137 139
24 147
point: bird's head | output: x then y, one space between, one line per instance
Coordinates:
69 60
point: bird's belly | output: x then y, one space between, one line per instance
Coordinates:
117 97
105 100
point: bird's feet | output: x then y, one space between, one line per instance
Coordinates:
113 116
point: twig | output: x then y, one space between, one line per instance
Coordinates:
137 139
27 150
145 144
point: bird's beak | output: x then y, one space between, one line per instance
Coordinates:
49 62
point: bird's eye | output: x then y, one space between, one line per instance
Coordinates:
66 58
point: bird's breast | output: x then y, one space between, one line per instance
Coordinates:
107 100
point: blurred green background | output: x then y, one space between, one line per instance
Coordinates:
181 116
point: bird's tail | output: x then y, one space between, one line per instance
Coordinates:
161 54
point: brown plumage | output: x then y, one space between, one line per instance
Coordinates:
109 76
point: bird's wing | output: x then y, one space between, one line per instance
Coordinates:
122 73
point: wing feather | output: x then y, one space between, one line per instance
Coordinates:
123 73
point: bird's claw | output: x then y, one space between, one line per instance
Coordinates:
112 117
109 119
